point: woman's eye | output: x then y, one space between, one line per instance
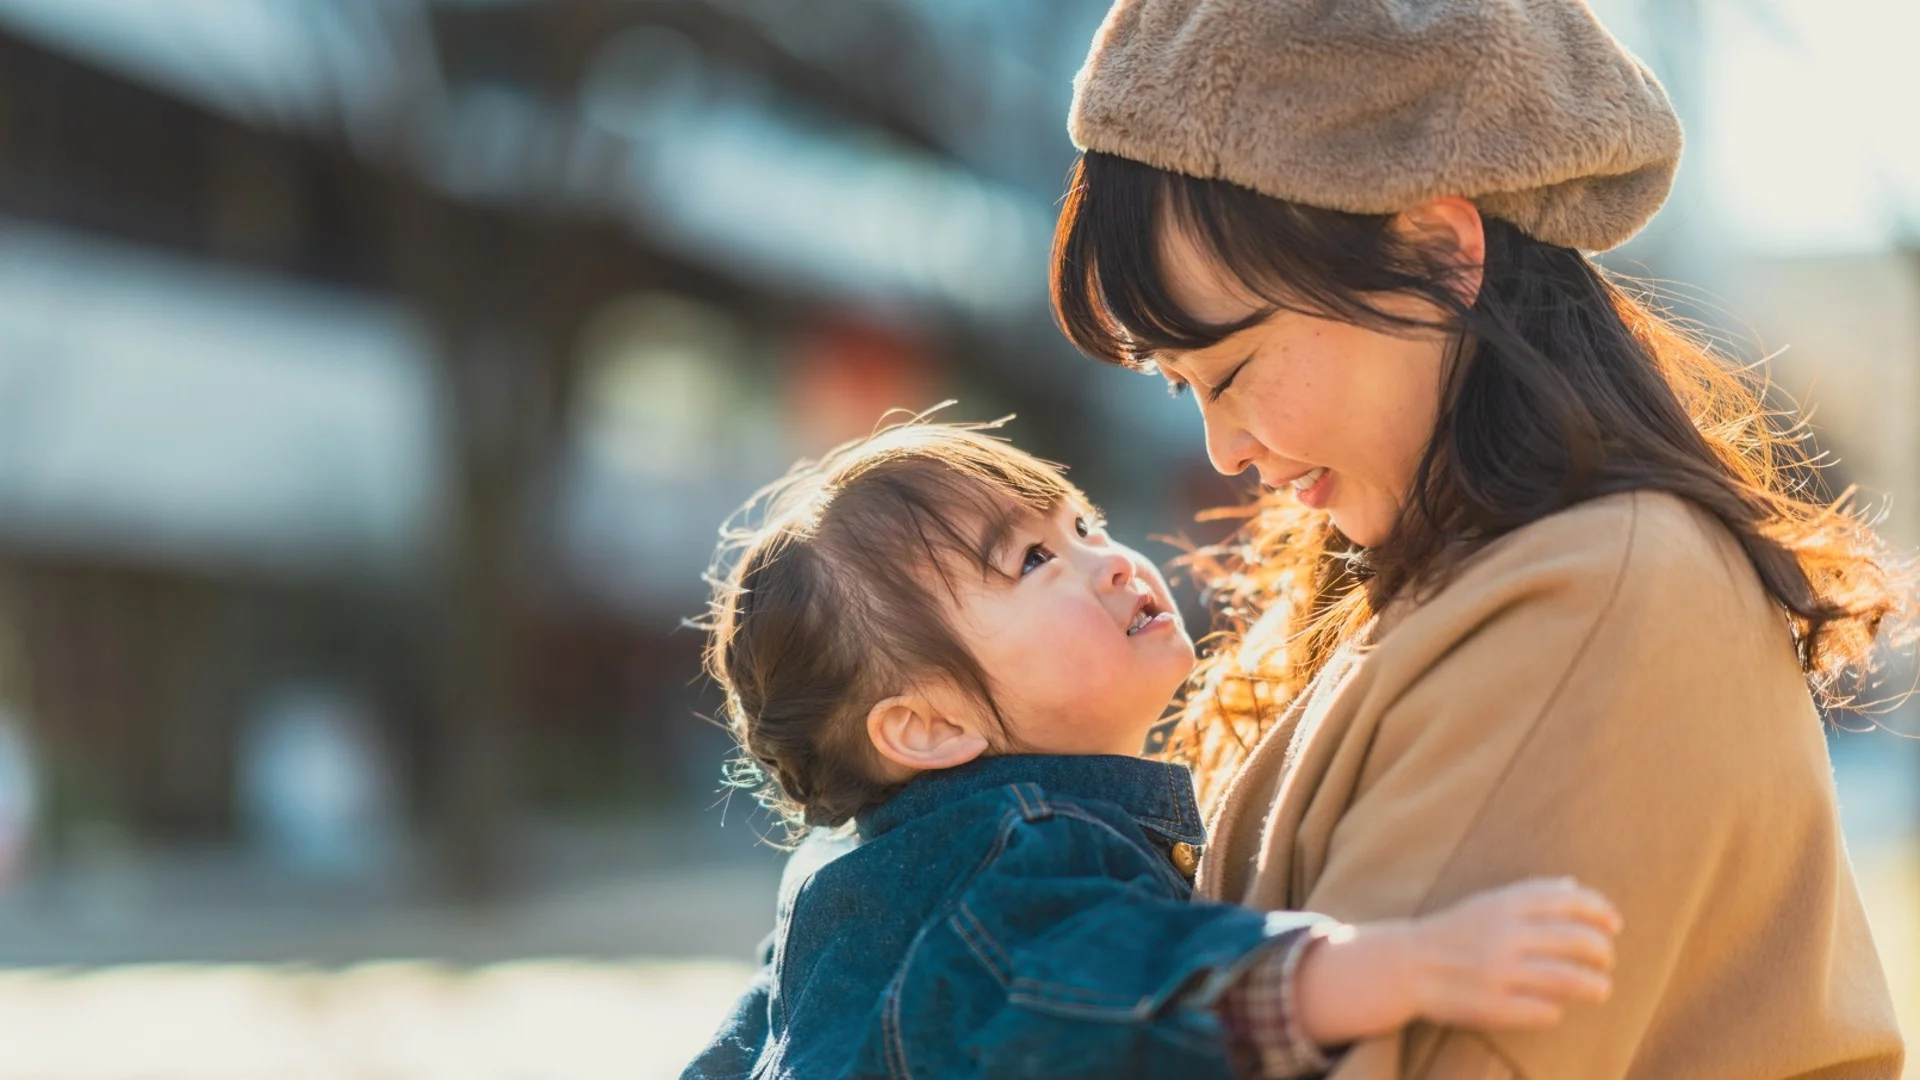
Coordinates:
1175 389
1214 394
1036 557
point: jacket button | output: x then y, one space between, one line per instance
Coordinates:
1186 859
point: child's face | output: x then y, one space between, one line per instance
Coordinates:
1054 641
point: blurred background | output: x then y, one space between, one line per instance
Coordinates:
374 375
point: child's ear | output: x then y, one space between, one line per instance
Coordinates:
914 732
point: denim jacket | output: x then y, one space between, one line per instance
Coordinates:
1018 916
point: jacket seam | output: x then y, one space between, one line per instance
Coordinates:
1067 998
1056 1000
1179 829
1043 991
897 1066
1167 873
1009 818
1067 810
896 1046
1030 811
974 934
1140 1011
1533 728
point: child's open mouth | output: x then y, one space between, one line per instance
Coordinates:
1148 616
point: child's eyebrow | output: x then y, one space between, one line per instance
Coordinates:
996 538
1000 532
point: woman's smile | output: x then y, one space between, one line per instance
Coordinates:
1289 389
1314 489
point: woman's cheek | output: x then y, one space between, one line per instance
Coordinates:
1278 416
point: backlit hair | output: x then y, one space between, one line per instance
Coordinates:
1563 385
839 597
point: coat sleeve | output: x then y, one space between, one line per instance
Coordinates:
1645 729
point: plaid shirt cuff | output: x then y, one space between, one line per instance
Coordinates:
1262 1014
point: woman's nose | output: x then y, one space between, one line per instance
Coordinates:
1229 447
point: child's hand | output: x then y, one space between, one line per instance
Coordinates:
1510 957
1514 957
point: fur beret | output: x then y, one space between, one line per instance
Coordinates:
1527 107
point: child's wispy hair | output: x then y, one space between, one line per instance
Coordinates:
833 588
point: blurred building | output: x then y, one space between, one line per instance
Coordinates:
408 353
416 351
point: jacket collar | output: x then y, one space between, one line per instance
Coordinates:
1158 795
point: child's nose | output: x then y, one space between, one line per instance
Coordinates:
1117 571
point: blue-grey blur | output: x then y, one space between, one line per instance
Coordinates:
375 374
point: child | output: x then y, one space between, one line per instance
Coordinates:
930 637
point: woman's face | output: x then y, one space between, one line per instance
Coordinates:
1339 413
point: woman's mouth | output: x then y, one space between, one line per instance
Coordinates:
1311 489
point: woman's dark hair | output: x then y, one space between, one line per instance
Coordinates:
839 597
1561 386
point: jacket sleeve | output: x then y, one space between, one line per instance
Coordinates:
1102 967
1645 730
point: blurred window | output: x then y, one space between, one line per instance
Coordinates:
676 422
157 407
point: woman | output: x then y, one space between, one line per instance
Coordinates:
1535 587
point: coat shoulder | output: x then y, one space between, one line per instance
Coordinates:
1632 548
1646 562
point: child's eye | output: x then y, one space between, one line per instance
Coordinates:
1175 388
1081 529
1036 557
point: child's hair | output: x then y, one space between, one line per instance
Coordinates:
833 601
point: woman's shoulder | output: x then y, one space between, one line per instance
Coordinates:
1650 556
1629 610
1628 542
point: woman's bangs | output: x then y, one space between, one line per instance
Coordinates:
1108 294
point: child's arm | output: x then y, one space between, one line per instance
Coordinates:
1072 954
1506 958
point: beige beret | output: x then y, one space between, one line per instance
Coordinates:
1528 107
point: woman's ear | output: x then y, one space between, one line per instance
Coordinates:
1450 226
915 732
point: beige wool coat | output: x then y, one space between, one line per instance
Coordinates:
1606 693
